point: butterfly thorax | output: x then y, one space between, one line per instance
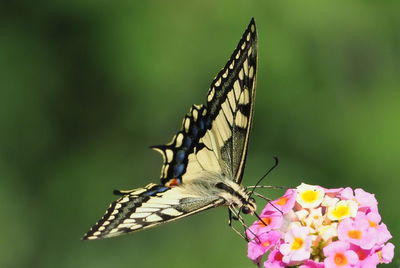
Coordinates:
222 187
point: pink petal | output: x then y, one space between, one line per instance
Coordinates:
374 217
347 194
275 264
332 192
368 236
366 200
282 204
352 257
274 260
335 247
257 247
255 252
387 253
343 228
312 264
284 249
299 255
370 261
383 234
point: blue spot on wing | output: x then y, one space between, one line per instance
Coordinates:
156 189
178 170
201 124
180 155
194 130
197 128
208 121
187 143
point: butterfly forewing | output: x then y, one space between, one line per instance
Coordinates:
231 102
214 137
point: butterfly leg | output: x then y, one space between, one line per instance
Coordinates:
268 200
263 197
233 217
236 215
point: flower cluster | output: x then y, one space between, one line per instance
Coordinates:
311 226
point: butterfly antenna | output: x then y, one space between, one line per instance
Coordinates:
266 174
260 219
255 236
260 180
263 197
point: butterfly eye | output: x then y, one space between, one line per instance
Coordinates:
246 210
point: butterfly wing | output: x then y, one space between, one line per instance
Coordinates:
214 137
148 207
231 105
213 140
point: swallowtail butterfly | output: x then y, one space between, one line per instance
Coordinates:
203 164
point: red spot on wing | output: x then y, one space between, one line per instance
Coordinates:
173 182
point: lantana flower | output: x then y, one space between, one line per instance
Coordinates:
297 245
309 196
314 227
342 210
338 254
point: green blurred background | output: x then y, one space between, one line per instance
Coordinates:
87 86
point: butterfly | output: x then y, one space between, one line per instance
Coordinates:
204 162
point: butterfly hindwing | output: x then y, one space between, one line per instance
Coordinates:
214 137
148 207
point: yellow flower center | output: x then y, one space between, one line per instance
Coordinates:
341 211
309 196
372 224
340 259
297 243
355 234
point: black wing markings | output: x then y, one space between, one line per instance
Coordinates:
148 207
229 103
237 76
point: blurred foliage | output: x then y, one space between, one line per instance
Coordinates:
86 86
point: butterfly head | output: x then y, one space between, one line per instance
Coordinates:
236 195
249 207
